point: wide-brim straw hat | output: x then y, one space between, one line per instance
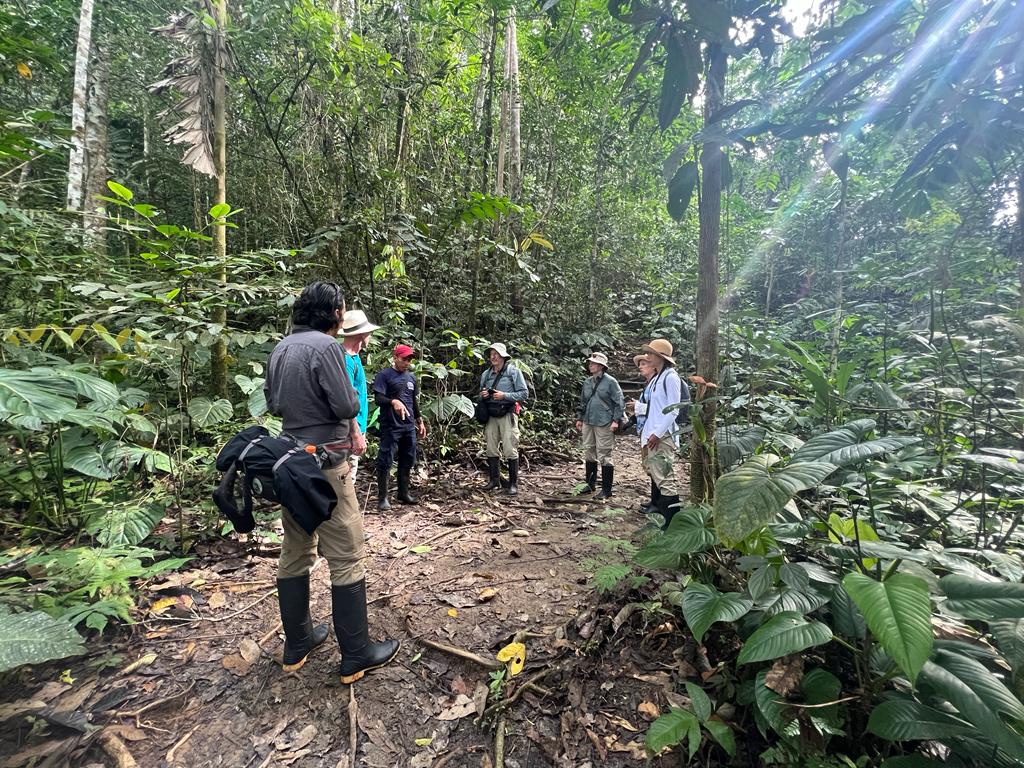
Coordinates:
637 359
500 349
355 322
662 348
600 358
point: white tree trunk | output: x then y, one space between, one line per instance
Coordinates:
499 168
96 153
79 97
515 150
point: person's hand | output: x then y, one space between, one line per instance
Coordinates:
653 442
615 426
497 395
579 425
421 428
483 394
400 410
358 444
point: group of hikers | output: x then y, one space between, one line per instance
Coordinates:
320 391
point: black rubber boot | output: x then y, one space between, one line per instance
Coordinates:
513 478
652 506
359 654
607 478
300 636
591 477
382 489
668 506
493 471
403 495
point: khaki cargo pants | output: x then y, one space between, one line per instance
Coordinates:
502 432
660 464
339 540
598 444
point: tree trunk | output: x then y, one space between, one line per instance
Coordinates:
499 168
837 317
515 108
96 154
702 453
79 101
219 358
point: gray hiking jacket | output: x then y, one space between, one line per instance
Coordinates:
601 401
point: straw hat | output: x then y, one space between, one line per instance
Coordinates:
500 349
354 323
637 359
662 348
600 358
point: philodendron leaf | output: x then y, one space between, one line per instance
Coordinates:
670 729
842 446
752 495
782 635
704 605
206 412
909 720
987 600
898 611
972 706
35 637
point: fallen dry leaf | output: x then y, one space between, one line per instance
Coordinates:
461 707
300 740
160 606
235 664
452 612
190 649
633 748
620 721
486 595
127 732
20 707
649 710
217 600
785 674
248 650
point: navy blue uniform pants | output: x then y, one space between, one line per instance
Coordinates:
400 442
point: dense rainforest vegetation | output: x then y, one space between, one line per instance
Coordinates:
819 205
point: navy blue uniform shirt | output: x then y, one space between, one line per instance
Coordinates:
390 385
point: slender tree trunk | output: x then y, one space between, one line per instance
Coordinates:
515 108
601 162
96 154
503 112
485 167
840 262
702 454
219 358
79 101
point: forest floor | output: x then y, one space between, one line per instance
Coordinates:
197 681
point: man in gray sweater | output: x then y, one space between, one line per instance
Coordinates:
308 386
598 416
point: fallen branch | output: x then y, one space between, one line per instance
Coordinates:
434 538
353 725
486 663
442 762
180 742
499 743
154 704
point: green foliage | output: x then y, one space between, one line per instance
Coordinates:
783 634
704 605
34 637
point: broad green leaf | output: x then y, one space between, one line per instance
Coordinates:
735 442
37 396
680 190
752 495
687 534
87 460
909 720
670 729
1011 465
946 685
681 78
986 600
699 701
912 761
986 685
1009 637
775 711
703 605
206 412
257 402
35 637
125 525
100 391
846 618
220 209
782 635
120 190
723 734
800 601
898 612
842 446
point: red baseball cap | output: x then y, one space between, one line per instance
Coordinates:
404 350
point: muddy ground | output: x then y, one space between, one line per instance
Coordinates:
196 682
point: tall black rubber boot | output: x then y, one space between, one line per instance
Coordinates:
300 636
403 495
494 472
652 506
382 489
591 477
359 654
607 478
668 506
513 478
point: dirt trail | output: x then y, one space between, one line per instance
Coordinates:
197 683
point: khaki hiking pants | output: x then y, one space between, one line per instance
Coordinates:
598 444
339 540
660 465
502 432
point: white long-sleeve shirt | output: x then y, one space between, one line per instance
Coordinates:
664 390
